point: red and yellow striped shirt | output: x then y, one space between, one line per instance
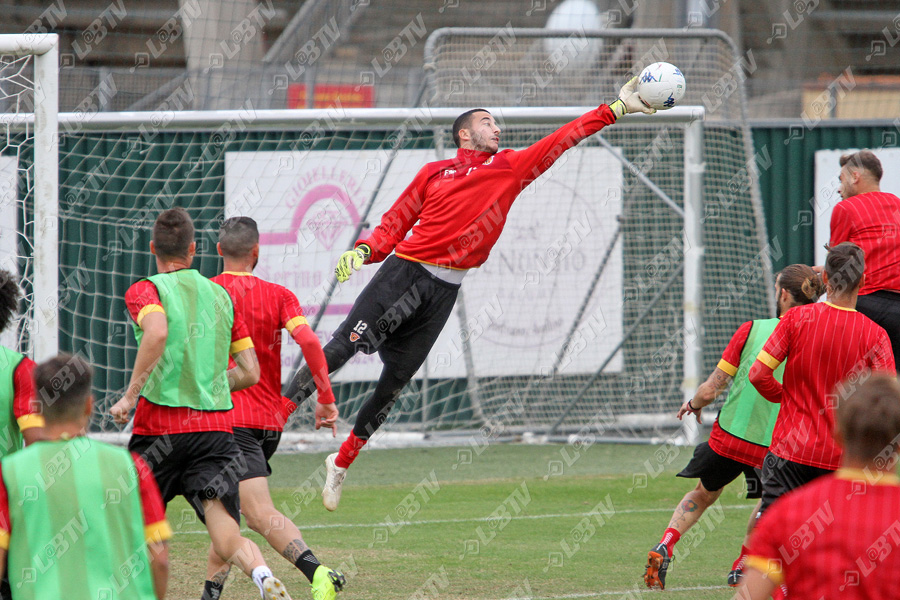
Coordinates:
872 222
835 537
266 308
823 344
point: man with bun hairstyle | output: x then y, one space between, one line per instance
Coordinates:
741 433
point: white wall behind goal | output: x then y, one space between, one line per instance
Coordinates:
519 306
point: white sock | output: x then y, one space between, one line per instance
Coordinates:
258 575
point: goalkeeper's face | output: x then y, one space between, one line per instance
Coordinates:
484 135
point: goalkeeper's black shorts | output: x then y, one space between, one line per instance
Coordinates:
399 314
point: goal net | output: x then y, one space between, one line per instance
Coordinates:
609 295
28 187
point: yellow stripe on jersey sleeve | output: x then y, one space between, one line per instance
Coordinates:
150 308
240 345
769 567
4 539
157 532
768 360
727 367
295 323
29 421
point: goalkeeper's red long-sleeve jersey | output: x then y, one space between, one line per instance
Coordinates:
457 208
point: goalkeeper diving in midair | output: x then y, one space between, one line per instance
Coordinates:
456 210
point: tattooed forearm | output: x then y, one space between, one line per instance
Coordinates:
294 549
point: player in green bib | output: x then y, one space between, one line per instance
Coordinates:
19 423
743 430
79 519
181 384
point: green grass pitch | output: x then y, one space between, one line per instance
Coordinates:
488 522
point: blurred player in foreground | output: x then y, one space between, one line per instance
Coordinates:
79 518
821 345
186 328
266 308
869 217
19 424
839 536
742 432
456 210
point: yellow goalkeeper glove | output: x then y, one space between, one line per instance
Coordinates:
629 101
351 260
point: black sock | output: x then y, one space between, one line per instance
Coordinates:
212 590
308 563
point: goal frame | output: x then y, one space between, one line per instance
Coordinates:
690 117
44 326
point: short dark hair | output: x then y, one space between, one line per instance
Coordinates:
61 386
869 418
801 282
844 266
864 160
173 233
464 121
9 298
238 236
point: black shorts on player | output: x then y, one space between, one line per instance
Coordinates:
716 471
780 476
200 466
399 314
257 446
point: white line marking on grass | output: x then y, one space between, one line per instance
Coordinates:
628 593
475 519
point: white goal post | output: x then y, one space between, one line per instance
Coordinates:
44 318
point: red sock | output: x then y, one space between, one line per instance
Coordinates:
670 538
349 451
739 563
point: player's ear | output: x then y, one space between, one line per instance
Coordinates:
219 249
192 249
862 281
152 248
255 251
89 406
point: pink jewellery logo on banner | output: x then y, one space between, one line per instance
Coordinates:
323 217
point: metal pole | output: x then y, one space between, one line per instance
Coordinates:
45 318
694 168
662 291
587 297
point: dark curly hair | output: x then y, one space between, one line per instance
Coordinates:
9 298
